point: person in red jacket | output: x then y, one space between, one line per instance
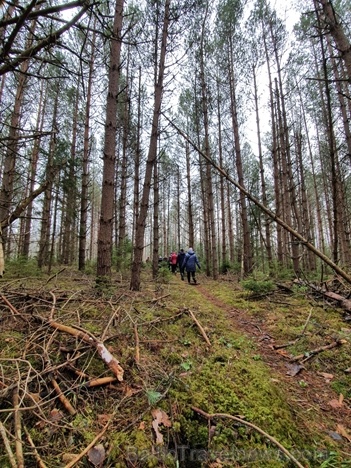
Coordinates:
174 260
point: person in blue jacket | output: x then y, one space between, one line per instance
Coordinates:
189 263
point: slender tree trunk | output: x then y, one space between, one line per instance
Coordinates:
44 240
122 227
230 225
246 250
210 233
33 170
224 257
52 248
83 227
191 237
205 214
70 196
267 238
274 151
103 271
156 230
137 163
141 221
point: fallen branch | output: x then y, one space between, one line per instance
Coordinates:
307 321
286 345
62 398
104 353
137 347
18 429
12 308
202 331
8 446
41 464
100 381
156 299
55 275
113 315
312 353
209 417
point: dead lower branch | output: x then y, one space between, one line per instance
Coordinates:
200 327
308 355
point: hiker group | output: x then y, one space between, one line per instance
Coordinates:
186 262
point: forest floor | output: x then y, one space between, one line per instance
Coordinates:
208 375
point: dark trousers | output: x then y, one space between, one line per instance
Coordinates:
181 272
174 268
192 273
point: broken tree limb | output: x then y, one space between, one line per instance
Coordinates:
99 381
18 429
8 446
111 319
341 300
307 322
137 346
103 352
202 331
313 352
66 403
260 205
40 462
209 417
11 307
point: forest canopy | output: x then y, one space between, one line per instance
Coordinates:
132 129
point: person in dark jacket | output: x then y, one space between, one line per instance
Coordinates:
181 256
190 262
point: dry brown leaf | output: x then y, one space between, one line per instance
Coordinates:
341 398
335 404
326 375
343 432
55 415
282 352
142 426
129 391
294 369
103 419
160 417
68 457
97 455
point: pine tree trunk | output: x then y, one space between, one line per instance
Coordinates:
33 170
224 257
190 202
141 221
210 231
246 249
137 163
267 238
70 195
44 240
103 271
83 227
156 230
